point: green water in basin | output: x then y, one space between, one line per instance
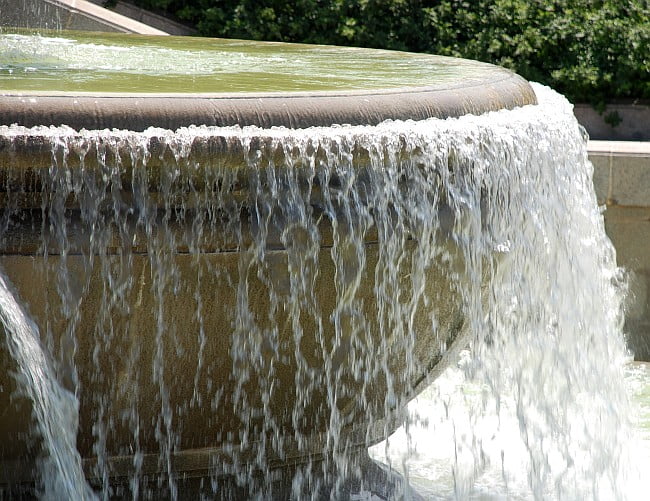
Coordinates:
72 61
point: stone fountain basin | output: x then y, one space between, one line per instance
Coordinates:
171 372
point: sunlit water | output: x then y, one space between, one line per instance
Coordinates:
438 453
500 206
94 62
538 407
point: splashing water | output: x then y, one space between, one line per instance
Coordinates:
173 248
538 408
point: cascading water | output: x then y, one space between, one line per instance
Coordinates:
537 408
166 250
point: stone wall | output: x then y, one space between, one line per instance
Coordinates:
633 121
149 18
68 15
622 183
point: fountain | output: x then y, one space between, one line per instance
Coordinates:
242 260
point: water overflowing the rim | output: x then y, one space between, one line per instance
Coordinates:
501 205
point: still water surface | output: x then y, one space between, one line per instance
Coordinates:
92 62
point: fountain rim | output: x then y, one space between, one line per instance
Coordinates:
295 110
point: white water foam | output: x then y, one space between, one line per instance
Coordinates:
537 407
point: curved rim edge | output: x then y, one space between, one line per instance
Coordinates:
292 110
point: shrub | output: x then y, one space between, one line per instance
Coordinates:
590 50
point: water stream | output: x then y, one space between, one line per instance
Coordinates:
54 409
486 227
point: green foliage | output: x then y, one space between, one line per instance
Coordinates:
590 50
